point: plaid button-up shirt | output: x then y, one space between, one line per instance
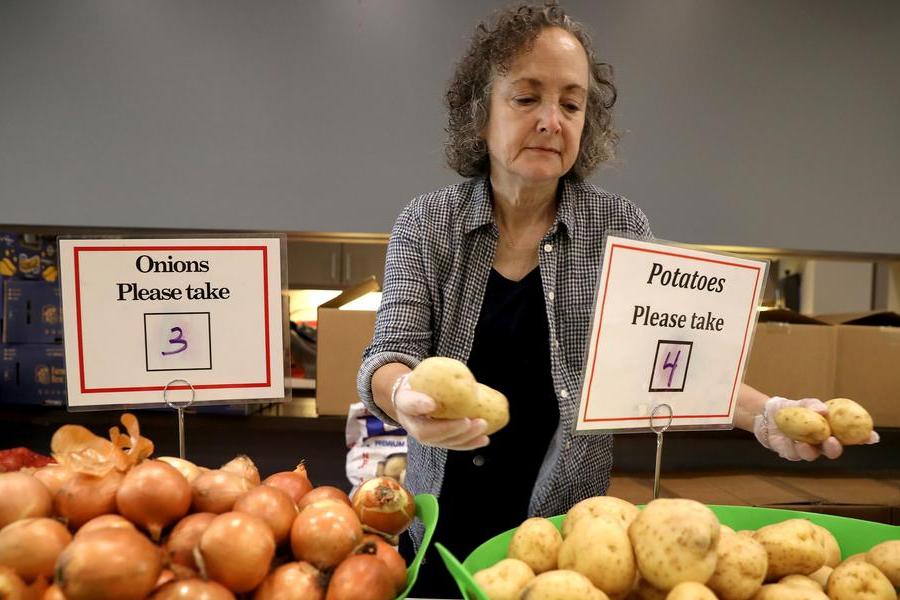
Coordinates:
439 256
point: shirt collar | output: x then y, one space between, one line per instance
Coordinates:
480 212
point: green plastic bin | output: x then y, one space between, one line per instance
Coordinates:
427 512
853 535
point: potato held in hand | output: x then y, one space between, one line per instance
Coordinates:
850 423
803 425
456 393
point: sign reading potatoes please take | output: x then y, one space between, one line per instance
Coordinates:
672 325
141 313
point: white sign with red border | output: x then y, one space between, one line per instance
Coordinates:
141 313
672 326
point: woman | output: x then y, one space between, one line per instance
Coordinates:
498 271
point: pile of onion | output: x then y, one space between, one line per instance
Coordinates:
243 466
84 497
293 580
324 533
273 506
192 589
54 476
22 496
185 467
154 495
105 521
384 506
216 491
296 483
111 563
184 537
388 554
323 492
236 550
31 546
361 577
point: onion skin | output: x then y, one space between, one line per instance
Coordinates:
54 477
325 533
236 550
216 491
23 496
11 585
31 546
243 466
86 496
384 506
154 495
360 577
323 492
104 521
185 467
109 564
273 506
53 593
184 537
293 581
293 483
393 561
193 589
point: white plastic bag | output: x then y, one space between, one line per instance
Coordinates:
373 448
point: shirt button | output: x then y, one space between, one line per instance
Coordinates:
548 247
550 295
564 393
478 460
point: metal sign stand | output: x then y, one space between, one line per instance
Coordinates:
180 410
659 443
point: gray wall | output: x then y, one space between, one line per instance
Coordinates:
752 122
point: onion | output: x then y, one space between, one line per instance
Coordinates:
293 483
104 521
361 577
243 466
31 546
325 533
216 491
293 581
11 585
22 496
185 535
87 496
273 506
323 492
54 476
236 550
53 593
384 506
192 589
154 495
165 576
185 467
114 564
393 561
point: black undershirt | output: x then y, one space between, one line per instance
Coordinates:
487 491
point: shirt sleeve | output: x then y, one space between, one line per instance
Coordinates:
403 324
639 222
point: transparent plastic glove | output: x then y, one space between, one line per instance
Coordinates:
413 410
770 436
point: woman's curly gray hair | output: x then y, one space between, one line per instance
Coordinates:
491 52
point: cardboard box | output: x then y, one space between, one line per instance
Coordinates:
341 338
31 312
792 356
868 363
28 256
33 374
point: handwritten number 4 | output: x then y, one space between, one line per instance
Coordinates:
671 366
178 340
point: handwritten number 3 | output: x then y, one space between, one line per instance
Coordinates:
177 340
671 366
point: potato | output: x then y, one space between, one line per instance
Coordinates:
740 567
821 576
803 425
493 407
675 540
886 558
561 585
726 529
792 547
783 591
859 581
505 580
850 423
536 543
598 548
450 383
620 509
829 544
690 590
643 590
802 581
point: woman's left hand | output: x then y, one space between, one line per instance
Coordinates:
770 436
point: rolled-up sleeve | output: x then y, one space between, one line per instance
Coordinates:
403 323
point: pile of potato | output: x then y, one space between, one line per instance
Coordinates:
846 420
676 549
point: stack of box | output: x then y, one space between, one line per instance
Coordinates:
32 362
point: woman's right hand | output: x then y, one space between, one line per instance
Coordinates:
413 413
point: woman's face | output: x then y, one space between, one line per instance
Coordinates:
537 111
